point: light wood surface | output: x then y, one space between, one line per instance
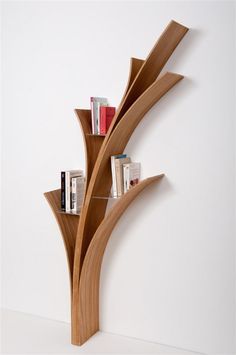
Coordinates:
90 274
68 225
86 237
92 143
100 182
151 67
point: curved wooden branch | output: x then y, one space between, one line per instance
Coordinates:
100 182
135 66
151 68
92 143
86 237
90 274
68 225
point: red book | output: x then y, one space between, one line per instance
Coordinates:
106 115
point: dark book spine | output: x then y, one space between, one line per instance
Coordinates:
63 191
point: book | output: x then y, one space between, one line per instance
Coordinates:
131 175
63 191
68 176
96 102
119 174
106 115
113 172
77 193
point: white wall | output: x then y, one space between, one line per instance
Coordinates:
169 270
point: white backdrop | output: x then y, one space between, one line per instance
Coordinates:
168 274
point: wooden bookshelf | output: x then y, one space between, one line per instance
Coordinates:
86 235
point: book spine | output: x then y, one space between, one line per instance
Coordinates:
95 112
68 190
92 114
118 168
103 120
63 201
113 173
98 117
126 177
73 195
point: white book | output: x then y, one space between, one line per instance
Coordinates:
131 175
113 172
96 102
77 193
119 174
68 176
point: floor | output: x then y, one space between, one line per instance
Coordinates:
26 334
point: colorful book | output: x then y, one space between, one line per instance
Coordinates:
113 172
68 176
131 175
106 115
119 174
77 193
96 102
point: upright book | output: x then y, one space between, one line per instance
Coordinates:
66 177
106 115
119 174
113 172
77 193
96 102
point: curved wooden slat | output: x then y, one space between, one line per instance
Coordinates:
151 68
68 225
135 66
92 143
100 183
90 274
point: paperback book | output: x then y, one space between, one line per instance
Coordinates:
66 184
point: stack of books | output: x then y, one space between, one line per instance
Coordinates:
101 115
72 190
125 174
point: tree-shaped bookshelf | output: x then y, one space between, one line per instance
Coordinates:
86 236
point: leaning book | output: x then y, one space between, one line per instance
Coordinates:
131 175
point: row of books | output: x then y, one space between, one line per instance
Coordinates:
72 190
125 174
101 115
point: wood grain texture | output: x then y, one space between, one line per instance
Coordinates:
92 143
90 275
135 66
86 237
100 183
151 68
68 225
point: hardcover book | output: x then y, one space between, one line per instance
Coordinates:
68 176
113 172
106 115
131 173
119 174
77 193
96 102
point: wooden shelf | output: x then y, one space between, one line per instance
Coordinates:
86 235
